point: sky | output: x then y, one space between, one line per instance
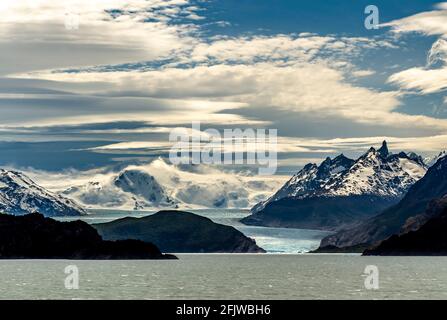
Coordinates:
88 84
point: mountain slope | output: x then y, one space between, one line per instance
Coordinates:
340 192
176 231
410 211
429 239
20 195
308 180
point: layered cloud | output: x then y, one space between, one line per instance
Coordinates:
152 63
431 78
34 33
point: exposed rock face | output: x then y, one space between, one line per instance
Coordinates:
20 195
429 239
409 214
33 236
326 213
341 191
144 185
181 232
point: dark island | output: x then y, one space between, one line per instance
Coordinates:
180 232
33 236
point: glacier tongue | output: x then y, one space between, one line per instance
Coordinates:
20 195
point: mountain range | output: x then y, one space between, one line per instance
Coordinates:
161 185
340 191
408 215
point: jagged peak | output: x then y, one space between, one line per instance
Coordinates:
309 166
383 151
342 157
441 163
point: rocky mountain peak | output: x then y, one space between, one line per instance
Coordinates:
377 172
383 151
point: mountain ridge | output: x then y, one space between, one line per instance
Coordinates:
19 195
377 178
406 215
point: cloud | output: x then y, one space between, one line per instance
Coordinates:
425 81
431 78
206 92
148 61
429 145
34 36
363 73
428 23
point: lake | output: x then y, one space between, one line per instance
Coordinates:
229 276
281 274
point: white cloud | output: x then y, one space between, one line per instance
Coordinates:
430 78
427 145
363 73
315 87
423 80
37 38
429 23
207 78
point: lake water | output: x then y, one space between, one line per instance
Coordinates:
230 276
274 240
226 276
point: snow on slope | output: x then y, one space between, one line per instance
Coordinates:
432 160
377 173
20 195
373 174
162 185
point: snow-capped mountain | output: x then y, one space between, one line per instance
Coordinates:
134 189
158 185
377 172
310 179
20 195
144 185
412 212
377 177
432 160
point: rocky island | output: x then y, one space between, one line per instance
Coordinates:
180 232
34 236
